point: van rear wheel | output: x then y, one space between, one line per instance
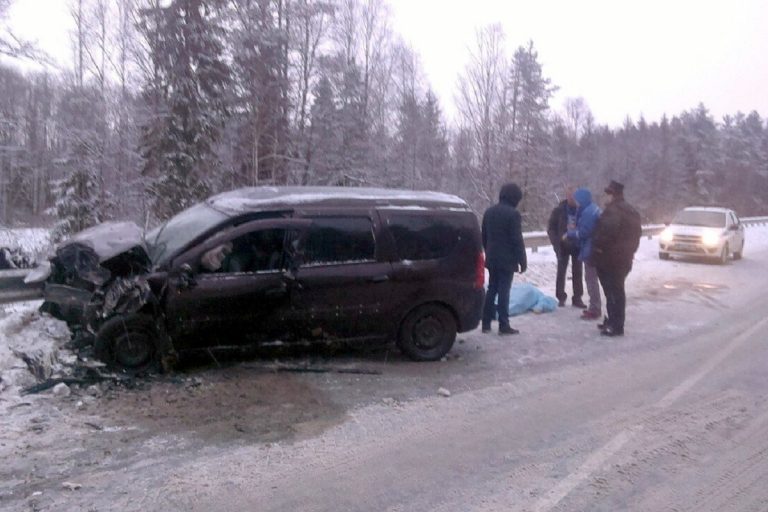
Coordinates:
427 333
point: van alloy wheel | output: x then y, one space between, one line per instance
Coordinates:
427 333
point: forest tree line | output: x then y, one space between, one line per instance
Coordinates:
165 102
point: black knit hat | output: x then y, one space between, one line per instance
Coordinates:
511 194
615 188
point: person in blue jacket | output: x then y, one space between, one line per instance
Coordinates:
586 220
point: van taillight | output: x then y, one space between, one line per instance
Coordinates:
480 271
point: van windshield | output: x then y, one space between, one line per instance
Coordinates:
700 218
167 239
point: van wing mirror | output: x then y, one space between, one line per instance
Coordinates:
186 276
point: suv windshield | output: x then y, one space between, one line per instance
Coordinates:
167 239
700 218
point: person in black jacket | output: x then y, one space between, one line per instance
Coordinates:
615 240
563 236
504 255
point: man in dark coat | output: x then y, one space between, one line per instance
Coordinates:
562 234
504 255
615 240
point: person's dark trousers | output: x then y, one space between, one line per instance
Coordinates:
576 269
615 297
499 283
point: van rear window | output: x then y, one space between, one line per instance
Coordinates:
422 237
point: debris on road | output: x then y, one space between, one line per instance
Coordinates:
61 389
443 392
71 486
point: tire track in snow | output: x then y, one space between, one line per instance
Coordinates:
597 459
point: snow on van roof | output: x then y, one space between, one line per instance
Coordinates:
256 198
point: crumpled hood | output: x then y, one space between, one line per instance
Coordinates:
83 253
109 239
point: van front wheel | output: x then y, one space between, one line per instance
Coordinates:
427 333
128 343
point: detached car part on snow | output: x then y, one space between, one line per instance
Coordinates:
264 264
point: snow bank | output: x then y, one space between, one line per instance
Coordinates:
33 241
23 330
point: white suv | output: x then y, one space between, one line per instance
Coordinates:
707 232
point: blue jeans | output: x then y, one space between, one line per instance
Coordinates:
499 283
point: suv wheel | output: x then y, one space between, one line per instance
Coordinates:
128 343
724 255
737 255
663 255
427 333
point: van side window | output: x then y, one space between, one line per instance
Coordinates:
339 240
422 237
257 251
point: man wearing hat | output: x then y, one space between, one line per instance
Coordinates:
615 240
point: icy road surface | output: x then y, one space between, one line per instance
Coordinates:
671 417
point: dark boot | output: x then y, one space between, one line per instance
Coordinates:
507 330
611 331
578 303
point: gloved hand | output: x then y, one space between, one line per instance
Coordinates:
523 267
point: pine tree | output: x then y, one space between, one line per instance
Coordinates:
408 143
79 200
533 159
354 129
433 151
260 63
187 97
323 157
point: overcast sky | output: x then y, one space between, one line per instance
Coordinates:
626 58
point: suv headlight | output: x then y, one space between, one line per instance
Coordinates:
666 235
710 238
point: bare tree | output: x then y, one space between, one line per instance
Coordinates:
13 45
578 117
479 100
311 23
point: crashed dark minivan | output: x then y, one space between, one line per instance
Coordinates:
275 263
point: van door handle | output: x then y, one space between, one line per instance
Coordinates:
380 279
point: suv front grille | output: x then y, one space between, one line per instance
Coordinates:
690 239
